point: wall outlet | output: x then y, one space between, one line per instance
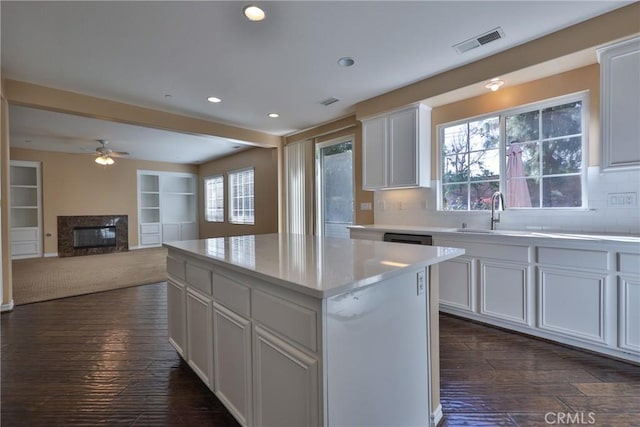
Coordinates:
365 206
421 282
622 200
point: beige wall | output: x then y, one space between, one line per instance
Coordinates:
73 184
265 164
579 80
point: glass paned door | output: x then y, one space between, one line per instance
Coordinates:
334 161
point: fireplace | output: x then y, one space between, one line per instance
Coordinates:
92 234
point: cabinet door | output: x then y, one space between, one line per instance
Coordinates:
572 303
504 291
176 315
170 232
232 362
403 148
620 109
629 295
457 288
286 383
199 336
374 156
188 231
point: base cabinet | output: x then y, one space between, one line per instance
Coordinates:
176 315
232 362
199 335
504 291
286 383
458 289
629 316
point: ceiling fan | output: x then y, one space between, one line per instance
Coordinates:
106 154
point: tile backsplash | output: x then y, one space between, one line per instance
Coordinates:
419 207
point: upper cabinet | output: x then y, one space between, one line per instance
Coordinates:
620 104
26 216
397 149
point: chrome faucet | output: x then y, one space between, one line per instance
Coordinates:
495 217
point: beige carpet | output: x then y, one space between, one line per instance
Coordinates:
41 279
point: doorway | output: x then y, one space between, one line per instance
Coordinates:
335 187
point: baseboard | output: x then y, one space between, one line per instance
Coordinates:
7 307
51 255
436 416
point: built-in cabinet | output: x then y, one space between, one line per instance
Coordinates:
581 293
620 104
396 149
167 207
26 211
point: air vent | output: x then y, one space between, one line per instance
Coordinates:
480 40
329 101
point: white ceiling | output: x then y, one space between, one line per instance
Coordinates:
138 52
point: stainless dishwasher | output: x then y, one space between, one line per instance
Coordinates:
414 239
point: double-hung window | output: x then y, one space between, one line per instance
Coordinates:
214 198
533 154
241 209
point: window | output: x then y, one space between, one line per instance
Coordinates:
534 155
241 209
214 198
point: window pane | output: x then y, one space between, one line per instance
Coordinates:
562 192
241 194
534 191
531 159
455 139
484 134
523 127
562 120
454 197
562 156
455 168
481 193
484 165
214 199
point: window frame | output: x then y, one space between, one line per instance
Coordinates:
582 97
207 201
242 219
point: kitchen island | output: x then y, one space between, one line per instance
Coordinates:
295 330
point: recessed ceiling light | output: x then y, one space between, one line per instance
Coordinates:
167 95
494 84
254 13
214 99
274 115
346 61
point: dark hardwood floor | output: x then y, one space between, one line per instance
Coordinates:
103 359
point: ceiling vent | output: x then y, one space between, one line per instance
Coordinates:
480 40
329 101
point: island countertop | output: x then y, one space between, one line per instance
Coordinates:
316 266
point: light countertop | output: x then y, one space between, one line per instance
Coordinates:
316 266
584 237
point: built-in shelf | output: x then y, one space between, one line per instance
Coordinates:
26 217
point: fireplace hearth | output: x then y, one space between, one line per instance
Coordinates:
92 234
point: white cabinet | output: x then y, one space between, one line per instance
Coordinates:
167 207
176 316
286 383
232 362
504 291
629 316
26 215
457 284
397 149
620 104
199 335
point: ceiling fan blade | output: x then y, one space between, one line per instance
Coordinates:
119 154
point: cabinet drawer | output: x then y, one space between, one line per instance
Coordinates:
150 239
149 228
629 263
176 267
232 294
577 258
24 248
199 278
289 319
25 235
